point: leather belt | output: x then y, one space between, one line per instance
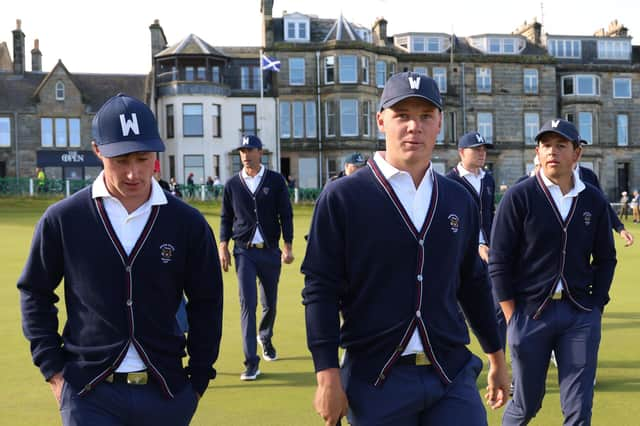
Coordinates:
133 378
414 359
256 245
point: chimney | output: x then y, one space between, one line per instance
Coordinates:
36 57
266 8
380 30
158 40
532 31
18 49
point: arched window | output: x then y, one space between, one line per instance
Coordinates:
59 91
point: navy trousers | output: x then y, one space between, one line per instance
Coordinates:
126 405
264 264
574 335
415 396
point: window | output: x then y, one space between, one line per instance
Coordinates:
581 85
216 127
485 125
296 29
420 70
623 129
348 117
434 45
622 88
216 166
440 137
565 48
285 119
298 119
452 126
614 49
531 127
189 73
483 80
59 91
381 73
215 74
194 164
5 131
201 73
169 119
530 81
255 78
417 44
249 120
61 131
329 69
502 46
192 120
310 126
245 78
296 71
348 69
46 132
74 132
366 118
330 118
440 76
364 68
585 126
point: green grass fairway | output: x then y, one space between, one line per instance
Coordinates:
283 394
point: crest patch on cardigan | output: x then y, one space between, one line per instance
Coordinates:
587 218
454 223
265 190
166 253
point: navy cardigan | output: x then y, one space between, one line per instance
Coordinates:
366 260
268 209
485 200
533 248
112 299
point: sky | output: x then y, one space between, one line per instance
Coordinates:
113 36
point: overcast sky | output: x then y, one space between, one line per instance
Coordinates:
113 36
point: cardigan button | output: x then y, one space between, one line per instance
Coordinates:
128 268
419 277
129 302
418 314
421 242
87 388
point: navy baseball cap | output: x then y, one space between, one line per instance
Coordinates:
410 85
472 140
249 142
356 159
564 128
124 125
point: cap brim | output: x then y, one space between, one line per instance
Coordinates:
558 132
116 149
488 145
391 102
584 142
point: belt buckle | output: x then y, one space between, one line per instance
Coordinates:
422 359
137 378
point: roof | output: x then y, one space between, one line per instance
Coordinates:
191 45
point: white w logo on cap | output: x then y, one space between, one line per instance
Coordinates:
479 138
414 83
129 125
245 140
554 123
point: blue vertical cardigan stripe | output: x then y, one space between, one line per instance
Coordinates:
392 278
533 248
113 299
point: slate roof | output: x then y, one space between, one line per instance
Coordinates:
191 45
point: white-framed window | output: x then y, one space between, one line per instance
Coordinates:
329 70
580 85
440 76
440 137
296 29
330 118
285 119
366 118
298 119
74 132
418 44
245 78
531 127
614 49
310 119
59 91
216 120
381 73
192 120
565 48
296 71
530 77
585 126
194 164
421 70
422 44
61 131
364 69
483 80
348 117
189 73
622 121
434 44
348 68
364 34
485 125
5 131
501 46
46 132
622 88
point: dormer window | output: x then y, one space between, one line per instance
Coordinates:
59 91
614 49
499 45
565 48
416 43
296 28
364 34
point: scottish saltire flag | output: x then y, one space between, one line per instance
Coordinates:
270 64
